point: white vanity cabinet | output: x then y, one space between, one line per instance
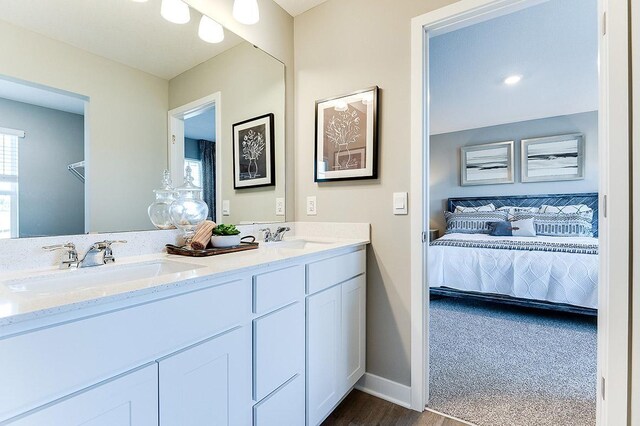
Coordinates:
276 345
335 331
128 400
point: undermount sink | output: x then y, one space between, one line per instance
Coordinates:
297 244
96 277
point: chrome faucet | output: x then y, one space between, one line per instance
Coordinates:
274 236
91 257
70 258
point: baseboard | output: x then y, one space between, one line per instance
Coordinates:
385 389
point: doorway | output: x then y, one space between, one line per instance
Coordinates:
613 199
194 141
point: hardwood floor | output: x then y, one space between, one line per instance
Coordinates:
359 408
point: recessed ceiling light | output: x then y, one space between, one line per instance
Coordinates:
512 79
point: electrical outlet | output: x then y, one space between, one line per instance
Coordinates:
279 206
226 208
312 206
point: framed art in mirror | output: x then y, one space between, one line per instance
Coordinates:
253 152
346 144
553 158
487 164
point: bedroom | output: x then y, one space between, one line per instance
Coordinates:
513 215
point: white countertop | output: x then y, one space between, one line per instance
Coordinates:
17 306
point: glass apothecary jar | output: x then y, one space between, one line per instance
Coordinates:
159 210
188 210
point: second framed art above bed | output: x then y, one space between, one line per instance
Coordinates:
555 266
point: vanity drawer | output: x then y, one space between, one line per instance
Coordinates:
329 272
87 351
278 348
275 289
285 407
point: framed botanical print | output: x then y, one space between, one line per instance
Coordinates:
553 158
253 152
347 137
487 164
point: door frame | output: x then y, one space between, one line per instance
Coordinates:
614 217
175 151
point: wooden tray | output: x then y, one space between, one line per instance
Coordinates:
185 251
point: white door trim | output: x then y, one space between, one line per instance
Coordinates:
635 350
175 151
613 320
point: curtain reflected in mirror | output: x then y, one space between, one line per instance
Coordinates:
208 161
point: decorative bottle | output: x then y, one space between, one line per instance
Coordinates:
159 209
188 210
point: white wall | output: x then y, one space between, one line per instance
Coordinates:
257 90
127 118
53 140
341 46
445 160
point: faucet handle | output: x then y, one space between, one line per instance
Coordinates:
267 234
67 246
106 244
108 254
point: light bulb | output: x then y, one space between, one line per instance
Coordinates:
367 98
210 31
341 106
175 11
246 11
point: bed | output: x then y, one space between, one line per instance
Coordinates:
544 271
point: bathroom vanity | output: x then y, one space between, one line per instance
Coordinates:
273 336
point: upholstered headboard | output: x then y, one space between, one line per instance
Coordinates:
590 199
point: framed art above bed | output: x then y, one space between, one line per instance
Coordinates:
486 164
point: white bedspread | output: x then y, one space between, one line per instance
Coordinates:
559 277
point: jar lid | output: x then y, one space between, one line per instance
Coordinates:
166 187
188 185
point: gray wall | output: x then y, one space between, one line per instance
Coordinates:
445 160
50 198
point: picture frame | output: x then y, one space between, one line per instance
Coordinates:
352 154
253 152
487 164
552 158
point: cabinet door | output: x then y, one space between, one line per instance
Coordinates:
209 383
353 331
129 400
323 353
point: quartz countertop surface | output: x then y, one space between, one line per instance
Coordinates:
32 294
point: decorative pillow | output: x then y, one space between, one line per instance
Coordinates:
559 224
520 228
467 209
472 222
513 210
582 209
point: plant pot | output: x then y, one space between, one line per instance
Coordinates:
225 240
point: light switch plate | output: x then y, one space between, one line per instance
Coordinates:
279 206
312 207
400 203
226 208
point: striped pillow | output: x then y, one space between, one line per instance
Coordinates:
560 224
514 210
472 222
581 209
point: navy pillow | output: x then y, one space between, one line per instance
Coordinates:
500 229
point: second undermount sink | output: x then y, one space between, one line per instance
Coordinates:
297 244
96 277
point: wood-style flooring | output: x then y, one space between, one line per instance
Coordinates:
359 408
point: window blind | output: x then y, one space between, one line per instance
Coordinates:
8 158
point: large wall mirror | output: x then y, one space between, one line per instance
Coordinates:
98 98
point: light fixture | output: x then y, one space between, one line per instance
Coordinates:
512 79
367 98
210 31
175 11
140 1
246 11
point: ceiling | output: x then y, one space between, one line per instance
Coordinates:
298 7
125 31
201 126
40 96
553 46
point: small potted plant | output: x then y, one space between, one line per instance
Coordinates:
225 236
